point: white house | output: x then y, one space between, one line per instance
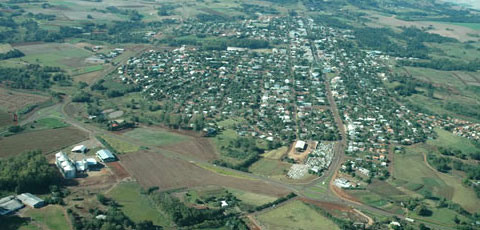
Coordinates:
300 145
80 149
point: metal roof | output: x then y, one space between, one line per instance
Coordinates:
105 154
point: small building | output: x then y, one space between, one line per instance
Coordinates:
9 205
364 171
91 162
31 200
80 149
224 203
104 155
81 166
342 183
301 146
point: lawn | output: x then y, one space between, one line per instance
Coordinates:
155 137
369 198
295 215
136 205
53 216
120 146
441 216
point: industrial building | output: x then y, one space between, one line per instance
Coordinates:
9 205
65 165
105 155
31 200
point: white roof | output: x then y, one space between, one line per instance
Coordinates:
91 161
29 199
105 154
79 148
300 144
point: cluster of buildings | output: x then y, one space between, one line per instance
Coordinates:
316 162
11 204
71 168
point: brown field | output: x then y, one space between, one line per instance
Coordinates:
13 100
45 140
197 147
155 169
460 33
118 170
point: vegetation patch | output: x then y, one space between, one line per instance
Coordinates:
119 146
155 137
52 216
136 205
295 215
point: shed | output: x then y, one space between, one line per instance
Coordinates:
9 205
105 155
80 149
31 200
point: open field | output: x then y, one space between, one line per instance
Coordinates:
5 119
63 55
52 216
120 146
449 140
136 205
155 169
11 100
295 215
5 48
45 140
459 32
49 123
268 167
412 169
276 154
252 198
155 137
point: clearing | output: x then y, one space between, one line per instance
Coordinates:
52 216
136 205
168 172
11 100
295 215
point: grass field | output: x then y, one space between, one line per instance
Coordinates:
411 168
65 56
45 140
449 140
268 167
120 146
295 215
50 123
276 154
52 216
136 205
250 198
5 119
155 137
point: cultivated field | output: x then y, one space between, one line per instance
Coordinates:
5 119
11 100
295 215
168 172
155 137
268 167
45 140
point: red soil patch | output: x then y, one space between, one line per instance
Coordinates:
118 170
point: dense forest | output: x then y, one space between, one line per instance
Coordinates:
27 172
33 77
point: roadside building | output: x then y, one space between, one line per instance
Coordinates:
105 155
31 200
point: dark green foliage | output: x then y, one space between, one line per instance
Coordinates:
276 202
15 129
33 77
11 54
27 172
82 96
445 64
